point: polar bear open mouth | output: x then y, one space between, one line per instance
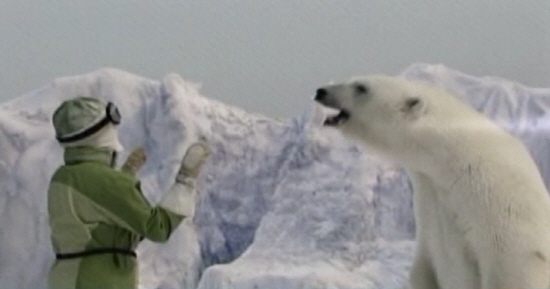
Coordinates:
338 119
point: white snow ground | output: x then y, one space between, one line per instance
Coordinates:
285 204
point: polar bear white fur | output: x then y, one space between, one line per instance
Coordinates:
481 208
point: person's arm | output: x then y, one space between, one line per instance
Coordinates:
157 223
126 206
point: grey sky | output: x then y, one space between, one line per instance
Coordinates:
269 56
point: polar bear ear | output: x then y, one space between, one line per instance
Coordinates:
413 105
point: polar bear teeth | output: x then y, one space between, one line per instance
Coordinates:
337 120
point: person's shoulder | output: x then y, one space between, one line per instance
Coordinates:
124 177
60 174
107 175
114 173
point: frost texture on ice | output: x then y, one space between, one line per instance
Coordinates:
284 204
323 228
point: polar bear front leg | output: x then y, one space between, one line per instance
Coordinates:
422 275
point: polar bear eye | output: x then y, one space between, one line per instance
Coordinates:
412 102
361 89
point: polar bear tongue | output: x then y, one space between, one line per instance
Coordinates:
337 120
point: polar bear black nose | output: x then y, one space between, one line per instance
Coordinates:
321 94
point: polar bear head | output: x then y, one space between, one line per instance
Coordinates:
389 115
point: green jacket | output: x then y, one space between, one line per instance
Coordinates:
93 206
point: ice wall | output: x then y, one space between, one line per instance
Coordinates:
329 225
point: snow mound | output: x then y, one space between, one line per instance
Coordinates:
284 204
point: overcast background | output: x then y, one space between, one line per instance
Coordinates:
269 56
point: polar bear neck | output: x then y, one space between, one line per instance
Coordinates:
467 145
457 143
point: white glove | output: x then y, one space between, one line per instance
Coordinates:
182 196
192 162
180 200
135 161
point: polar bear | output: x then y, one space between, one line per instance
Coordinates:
481 208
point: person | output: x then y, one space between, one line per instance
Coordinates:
98 214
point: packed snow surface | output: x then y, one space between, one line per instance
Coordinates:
284 204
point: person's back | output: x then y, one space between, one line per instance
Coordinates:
98 215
